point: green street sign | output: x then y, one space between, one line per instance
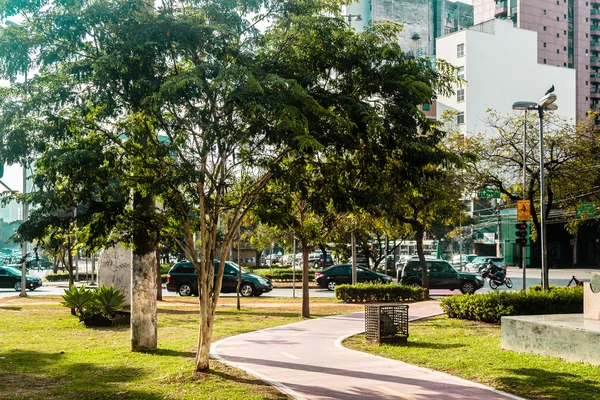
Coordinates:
490 193
588 208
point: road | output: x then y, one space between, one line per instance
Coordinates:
558 277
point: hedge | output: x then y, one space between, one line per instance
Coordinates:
282 274
492 306
65 277
377 292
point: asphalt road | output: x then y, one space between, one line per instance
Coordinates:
558 277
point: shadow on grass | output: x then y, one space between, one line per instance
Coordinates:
428 345
173 353
192 311
11 308
38 375
561 385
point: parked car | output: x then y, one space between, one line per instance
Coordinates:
478 263
182 279
316 260
11 278
342 273
441 274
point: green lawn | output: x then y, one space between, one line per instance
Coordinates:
472 351
46 353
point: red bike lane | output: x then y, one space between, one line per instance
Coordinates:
306 361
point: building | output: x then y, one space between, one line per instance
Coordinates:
423 20
500 64
568 37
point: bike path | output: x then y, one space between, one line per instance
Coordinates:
307 361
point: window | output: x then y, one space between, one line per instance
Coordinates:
544 12
557 51
460 117
460 95
586 83
544 29
558 35
565 48
544 61
460 50
557 18
544 44
461 72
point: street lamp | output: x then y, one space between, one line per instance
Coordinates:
546 103
352 17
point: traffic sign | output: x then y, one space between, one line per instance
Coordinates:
588 208
490 193
523 210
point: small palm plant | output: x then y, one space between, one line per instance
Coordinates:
103 301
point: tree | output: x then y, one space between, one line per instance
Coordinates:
569 160
230 104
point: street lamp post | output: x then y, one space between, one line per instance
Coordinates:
546 103
352 17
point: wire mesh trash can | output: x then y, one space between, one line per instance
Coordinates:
386 322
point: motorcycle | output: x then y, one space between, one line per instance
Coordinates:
497 278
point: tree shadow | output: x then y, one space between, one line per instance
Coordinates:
37 375
562 385
173 353
11 308
425 345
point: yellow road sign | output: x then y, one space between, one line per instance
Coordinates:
523 210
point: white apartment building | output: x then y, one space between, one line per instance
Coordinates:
500 64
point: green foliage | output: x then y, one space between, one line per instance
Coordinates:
491 307
110 300
81 300
61 277
86 302
377 292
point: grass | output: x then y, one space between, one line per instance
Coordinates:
472 351
45 353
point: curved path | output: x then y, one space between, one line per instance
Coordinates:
307 361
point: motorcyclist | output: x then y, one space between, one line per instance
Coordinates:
494 269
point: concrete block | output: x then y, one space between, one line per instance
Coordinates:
567 336
591 301
115 267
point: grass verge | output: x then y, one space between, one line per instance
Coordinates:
472 351
46 353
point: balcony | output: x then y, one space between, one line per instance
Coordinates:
595 92
595 61
595 45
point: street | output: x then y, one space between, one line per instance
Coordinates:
558 277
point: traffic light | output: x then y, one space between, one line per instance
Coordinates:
521 233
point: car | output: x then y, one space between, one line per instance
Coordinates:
478 263
182 279
316 260
441 274
10 277
342 273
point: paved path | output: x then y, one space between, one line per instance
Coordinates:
306 361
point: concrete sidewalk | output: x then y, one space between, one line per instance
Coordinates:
307 361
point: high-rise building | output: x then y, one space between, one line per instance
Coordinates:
423 20
568 37
499 73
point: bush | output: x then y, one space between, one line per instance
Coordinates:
65 277
105 301
492 306
377 292
282 274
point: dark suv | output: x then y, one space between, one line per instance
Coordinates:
182 279
342 273
316 260
442 275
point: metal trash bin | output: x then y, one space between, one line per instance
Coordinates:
385 322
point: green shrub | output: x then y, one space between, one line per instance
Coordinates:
85 302
377 292
492 306
282 274
65 277
164 268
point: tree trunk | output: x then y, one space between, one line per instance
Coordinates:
143 281
305 298
419 233
257 260
324 251
70 262
158 277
